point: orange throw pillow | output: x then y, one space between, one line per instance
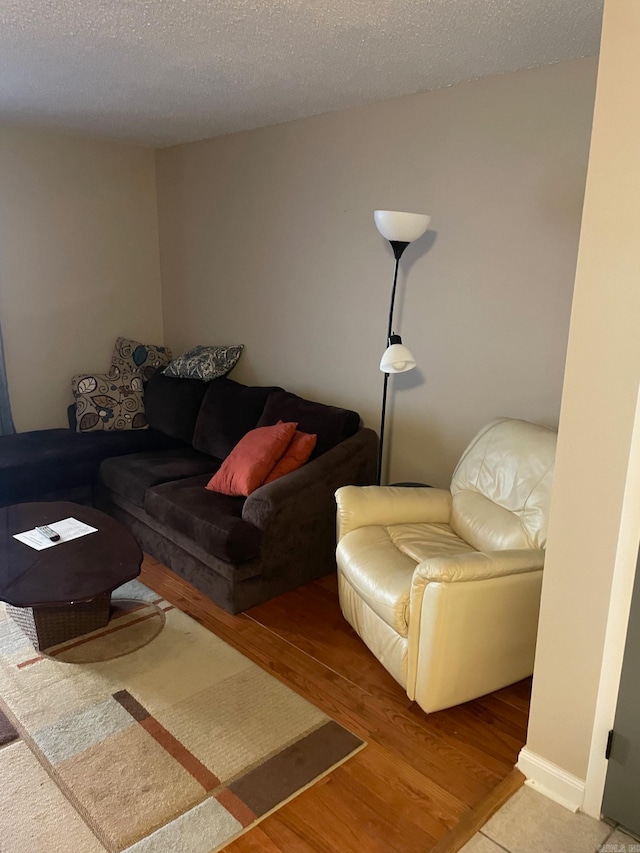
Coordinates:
299 450
252 460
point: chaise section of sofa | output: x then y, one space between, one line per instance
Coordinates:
61 464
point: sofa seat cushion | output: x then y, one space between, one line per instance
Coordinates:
211 520
130 476
44 461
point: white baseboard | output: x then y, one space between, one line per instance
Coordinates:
552 781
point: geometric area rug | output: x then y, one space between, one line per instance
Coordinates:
175 743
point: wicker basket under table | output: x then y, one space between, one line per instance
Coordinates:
49 625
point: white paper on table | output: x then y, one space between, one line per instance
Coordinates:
68 528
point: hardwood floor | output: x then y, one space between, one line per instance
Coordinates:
420 775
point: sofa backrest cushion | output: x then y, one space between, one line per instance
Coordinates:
172 405
228 411
331 424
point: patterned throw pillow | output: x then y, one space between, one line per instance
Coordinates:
107 402
205 362
129 356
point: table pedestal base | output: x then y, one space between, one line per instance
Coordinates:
50 625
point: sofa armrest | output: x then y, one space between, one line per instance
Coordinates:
386 505
296 512
347 462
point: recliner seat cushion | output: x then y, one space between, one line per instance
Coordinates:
426 540
131 476
379 562
212 520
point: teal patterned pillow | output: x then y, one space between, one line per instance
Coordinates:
129 356
107 402
205 363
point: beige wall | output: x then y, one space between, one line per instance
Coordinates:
267 239
599 400
78 263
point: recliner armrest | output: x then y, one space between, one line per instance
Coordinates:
472 624
477 565
365 506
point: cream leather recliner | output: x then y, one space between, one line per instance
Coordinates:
444 586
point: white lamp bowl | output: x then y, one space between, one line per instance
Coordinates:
397 359
403 227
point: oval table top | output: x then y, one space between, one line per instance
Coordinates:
72 571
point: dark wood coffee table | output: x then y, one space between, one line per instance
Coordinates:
63 592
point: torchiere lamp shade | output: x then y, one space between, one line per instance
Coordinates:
399 226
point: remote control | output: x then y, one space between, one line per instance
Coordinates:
49 533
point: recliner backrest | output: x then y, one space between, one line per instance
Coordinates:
501 487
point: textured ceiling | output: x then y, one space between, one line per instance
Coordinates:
160 72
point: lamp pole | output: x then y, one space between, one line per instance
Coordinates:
398 248
399 229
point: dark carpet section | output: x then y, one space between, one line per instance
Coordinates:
272 782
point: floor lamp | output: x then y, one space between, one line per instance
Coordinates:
399 229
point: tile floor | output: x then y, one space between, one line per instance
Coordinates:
532 823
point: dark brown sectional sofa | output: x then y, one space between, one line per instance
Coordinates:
238 551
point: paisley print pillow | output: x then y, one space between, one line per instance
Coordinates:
108 402
205 363
129 356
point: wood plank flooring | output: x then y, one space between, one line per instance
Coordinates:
420 775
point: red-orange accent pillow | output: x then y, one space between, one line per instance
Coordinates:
299 450
252 460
